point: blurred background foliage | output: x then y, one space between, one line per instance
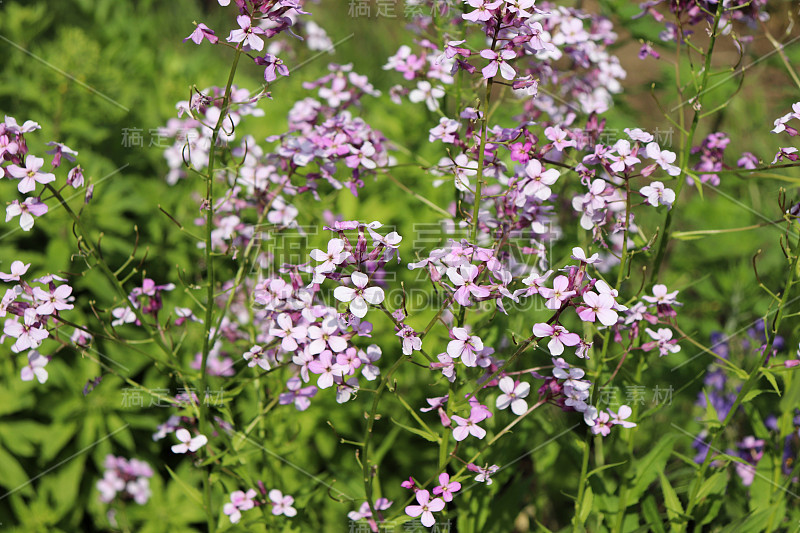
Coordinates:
93 72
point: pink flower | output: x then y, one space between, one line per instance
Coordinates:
411 340
188 443
624 158
30 175
240 501
255 356
600 307
465 346
323 336
51 302
464 278
426 508
663 340
247 33
446 488
560 337
559 137
558 294
359 296
326 368
282 504
289 332
602 424
469 426
427 93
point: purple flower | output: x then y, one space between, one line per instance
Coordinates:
61 150
240 501
26 211
247 33
274 66
202 32
301 396
498 61
484 473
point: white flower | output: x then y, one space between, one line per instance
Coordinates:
187 442
656 194
513 395
360 296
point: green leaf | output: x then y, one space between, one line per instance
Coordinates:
422 433
191 491
651 515
586 505
771 378
14 476
713 485
672 503
604 467
648 467
753 394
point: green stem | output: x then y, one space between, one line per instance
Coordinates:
209 199
686 149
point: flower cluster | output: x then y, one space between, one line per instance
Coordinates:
147 299
17 163
426 506
32 309
126 479
243 501
690 13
